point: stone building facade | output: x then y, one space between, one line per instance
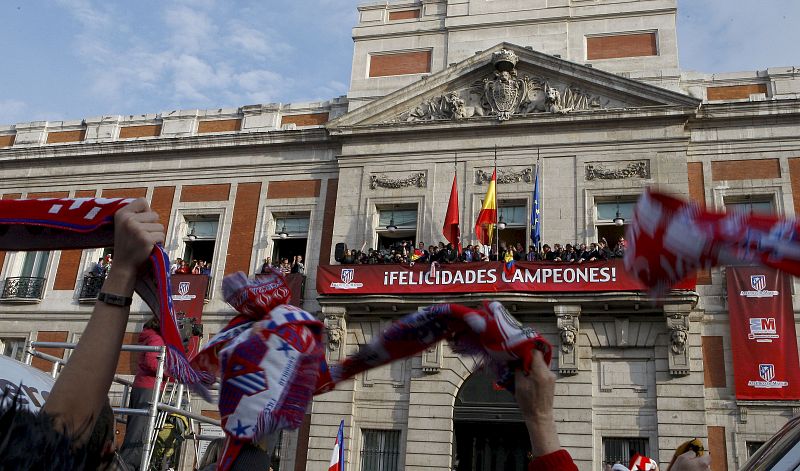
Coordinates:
587 92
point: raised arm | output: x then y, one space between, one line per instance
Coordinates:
535 394
82 388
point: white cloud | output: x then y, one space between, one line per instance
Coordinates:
737 35
261 43
89 14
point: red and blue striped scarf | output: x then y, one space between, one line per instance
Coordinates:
85 223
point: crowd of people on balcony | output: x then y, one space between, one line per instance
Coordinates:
283 265
405 252
102 267
196 267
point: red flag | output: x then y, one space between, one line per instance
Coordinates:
670 239
642 463
451 230
487 218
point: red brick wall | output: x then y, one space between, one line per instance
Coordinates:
621 45
794 176
194 193
718 447
126 365
293 189
7 141
697 193
149 130
735 92
713 362
326 240
745 169
49 336
310 119
243 228
47 194
400 63
162 204
65 136
124 192
219 125
403 15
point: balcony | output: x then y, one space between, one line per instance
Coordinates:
90 288
23 289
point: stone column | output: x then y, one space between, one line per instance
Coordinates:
429 439
573 401
568 328
680 392
329 408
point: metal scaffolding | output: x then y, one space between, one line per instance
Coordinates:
156 406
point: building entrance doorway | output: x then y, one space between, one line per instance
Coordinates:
489 432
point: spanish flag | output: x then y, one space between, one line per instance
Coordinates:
487 218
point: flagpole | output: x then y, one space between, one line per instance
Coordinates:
455 177
538 193
496 209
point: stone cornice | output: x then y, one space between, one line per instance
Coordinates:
670 112
156 145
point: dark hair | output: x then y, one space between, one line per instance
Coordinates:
35 442
152 323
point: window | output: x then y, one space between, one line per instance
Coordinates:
380 450
275 458
13 347
752 448
201 238
291 236
607 224
514 214
396 224
761 204
29 270
620 450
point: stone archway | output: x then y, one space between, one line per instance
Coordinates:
489 434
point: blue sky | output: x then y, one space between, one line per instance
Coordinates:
73 59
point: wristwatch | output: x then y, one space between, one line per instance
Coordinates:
114 299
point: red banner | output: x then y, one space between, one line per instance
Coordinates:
763 339
188 300
479 277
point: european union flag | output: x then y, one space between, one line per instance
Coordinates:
536 222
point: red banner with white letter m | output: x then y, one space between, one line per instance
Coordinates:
763 339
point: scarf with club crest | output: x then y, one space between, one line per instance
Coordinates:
86 223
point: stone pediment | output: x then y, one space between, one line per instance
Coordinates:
509 82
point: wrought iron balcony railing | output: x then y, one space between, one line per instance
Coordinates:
23 288
90 288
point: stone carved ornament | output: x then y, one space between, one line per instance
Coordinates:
678 326
610 171
418 180
504 176
335 332
503 95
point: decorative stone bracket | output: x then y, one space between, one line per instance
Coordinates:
418 180
678 351
504 176
432 359
335 333
617 170
568 318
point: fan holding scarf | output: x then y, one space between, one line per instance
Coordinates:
270 358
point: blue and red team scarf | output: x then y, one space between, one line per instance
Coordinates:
86 223
669 240
270 359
